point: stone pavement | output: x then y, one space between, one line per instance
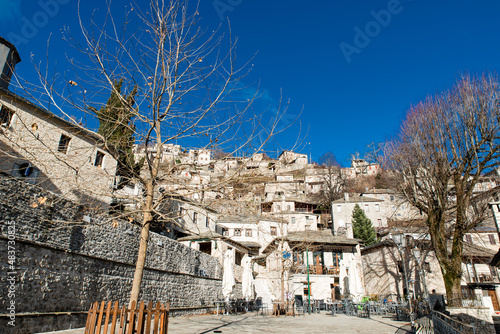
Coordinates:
251 323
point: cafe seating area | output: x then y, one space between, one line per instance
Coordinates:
400 311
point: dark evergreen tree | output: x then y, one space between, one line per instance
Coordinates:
115 125
362 226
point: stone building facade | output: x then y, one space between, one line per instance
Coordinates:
53 153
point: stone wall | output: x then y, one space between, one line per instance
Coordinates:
479 317
63 264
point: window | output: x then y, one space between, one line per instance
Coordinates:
293 220
273 230
26 171
278 207
339 208
238 257
468 239
206 247
289 208
298 258
225 231
5 116
367 208
492 239
306 289
493 271
195 217
64 144
207 222
99 157
248 232
377 207
392 198
379 221
237 232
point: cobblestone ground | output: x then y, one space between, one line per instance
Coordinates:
252 323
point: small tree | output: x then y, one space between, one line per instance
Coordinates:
117 129
362 226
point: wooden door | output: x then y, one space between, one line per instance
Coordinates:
494 299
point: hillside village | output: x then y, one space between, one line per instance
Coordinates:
288 219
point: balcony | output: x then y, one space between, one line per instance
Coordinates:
484 278
303 210
316 270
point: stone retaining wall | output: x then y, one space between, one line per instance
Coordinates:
63 264
479 317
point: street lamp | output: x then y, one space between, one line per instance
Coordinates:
400 241
416 254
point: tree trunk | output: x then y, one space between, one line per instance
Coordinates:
452 280
451 264
143 245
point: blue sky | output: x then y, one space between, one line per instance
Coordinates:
349 98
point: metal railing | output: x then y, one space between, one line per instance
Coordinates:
443 324
316 270
484 278
465 300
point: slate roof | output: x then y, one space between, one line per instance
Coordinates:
324 237
357 199
211 236
469 250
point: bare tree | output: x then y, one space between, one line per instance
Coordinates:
333 180
186 87
446 143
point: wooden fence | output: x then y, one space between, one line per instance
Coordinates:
115 320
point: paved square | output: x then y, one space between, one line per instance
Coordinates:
252 323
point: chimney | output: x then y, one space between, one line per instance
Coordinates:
8 60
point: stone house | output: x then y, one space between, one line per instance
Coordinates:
191 218
361 167
54 153
293 158
386 267
252 231
380 206
216 245
45 149
333 263
299 214
200 157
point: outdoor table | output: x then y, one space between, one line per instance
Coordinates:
220 303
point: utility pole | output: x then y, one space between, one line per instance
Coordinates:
308 282
282 263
